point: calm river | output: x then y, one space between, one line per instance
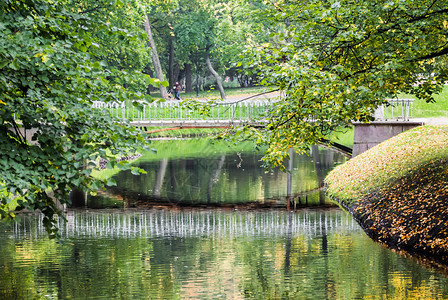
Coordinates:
238 241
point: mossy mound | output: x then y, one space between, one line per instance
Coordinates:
398 191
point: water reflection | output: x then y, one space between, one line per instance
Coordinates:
227 179
187 223
207 255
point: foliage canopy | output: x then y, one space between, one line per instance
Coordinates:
50 137
338 60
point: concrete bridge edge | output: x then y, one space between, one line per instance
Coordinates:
368 135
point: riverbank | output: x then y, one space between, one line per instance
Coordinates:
398 192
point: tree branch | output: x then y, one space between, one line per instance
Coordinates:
444 51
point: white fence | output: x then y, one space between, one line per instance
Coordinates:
156 112
177 111
395 109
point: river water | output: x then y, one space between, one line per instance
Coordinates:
222 247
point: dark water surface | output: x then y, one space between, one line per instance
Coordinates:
236 251
225 178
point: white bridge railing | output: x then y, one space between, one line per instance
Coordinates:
173 111
177 111
394 109
184 224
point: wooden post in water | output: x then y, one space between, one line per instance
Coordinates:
289 179
320 176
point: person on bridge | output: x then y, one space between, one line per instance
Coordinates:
177 89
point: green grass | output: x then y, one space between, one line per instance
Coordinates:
157 132
229 92
421 109
204 147
439 109
211 94
389 161
344 136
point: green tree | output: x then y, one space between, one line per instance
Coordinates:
338 60
198 30
50 137
127 51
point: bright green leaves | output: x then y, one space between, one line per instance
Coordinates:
50 135
114 37
337 61
111 182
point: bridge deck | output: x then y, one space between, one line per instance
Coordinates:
197 114
195 123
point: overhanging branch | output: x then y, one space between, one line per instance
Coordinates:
442 52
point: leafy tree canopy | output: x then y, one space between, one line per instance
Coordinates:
50 137
116 27
220 27
337 60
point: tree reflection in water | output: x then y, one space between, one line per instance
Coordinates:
207 254
227 179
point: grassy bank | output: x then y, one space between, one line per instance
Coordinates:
389 161
398 191
204 147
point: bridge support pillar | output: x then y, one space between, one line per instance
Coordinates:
368 135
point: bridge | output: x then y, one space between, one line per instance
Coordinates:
218 114
195 114
391 118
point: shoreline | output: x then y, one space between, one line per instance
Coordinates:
401 201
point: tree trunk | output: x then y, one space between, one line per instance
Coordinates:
215 74
188 81
176 73
171 64
214 179
160 177
155 59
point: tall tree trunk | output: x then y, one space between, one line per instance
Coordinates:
215 74
171 64
176 73
155 58
188 80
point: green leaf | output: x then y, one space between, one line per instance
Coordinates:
137 171
3 63
14 65
111 182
